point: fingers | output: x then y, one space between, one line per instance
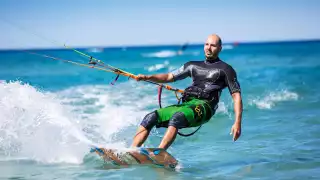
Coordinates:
140 77
236 135
235 131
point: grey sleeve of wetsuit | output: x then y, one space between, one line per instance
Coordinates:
181 73
231 80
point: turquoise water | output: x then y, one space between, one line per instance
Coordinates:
51 113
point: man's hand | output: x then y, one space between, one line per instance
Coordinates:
236 131
141 77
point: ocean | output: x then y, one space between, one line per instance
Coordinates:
52 112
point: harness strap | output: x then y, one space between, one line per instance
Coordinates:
179 99
159 95
115 79
186 135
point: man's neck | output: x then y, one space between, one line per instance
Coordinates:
212 59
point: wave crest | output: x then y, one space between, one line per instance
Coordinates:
268 101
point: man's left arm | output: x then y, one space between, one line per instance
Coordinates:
236 128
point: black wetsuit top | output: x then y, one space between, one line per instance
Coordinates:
210 76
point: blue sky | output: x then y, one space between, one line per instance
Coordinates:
137 22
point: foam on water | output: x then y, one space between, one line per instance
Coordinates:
269 100
36 126
161 54
157 67
95 50
227 47
169 54
61 127
106 109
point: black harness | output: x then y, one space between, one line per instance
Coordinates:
200 93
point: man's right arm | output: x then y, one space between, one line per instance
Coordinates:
178 74
158 78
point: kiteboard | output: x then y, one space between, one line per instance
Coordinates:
145 156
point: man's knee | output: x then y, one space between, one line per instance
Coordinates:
150 120
178 120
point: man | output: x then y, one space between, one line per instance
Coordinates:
200 99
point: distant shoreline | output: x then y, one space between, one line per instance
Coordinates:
169 45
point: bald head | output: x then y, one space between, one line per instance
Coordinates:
215 38
212 46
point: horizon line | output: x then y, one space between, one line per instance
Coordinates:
166 44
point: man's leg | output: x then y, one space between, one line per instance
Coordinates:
148 122
178 120
140 137
169 137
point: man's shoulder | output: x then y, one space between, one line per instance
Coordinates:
193 62
226 65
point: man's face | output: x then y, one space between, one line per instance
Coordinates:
212 47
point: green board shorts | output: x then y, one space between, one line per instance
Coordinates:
195 111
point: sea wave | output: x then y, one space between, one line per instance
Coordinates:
269 100
157 67
161 54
